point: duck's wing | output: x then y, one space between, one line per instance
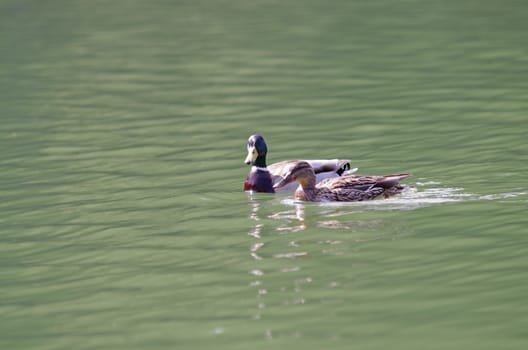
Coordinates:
281 169
359 188
362 183
337 166
356 195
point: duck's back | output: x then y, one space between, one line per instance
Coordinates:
358 188
325 194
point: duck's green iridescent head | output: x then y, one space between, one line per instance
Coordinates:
257 150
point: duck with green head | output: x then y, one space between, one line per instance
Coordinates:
261 178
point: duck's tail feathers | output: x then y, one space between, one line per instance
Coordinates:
389 181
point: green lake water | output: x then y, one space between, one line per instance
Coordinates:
123 224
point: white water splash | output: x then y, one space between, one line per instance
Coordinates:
499 196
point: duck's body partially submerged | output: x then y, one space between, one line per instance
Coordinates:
343 189
261 178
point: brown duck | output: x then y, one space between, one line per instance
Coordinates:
345 188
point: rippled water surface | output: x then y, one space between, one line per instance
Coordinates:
123 128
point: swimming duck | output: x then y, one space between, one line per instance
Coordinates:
261 178
343 189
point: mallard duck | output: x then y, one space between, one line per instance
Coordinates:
261 178
343 189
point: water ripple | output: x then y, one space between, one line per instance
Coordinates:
415 198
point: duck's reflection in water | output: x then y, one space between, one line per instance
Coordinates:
293 219
257 227
290 221
282 235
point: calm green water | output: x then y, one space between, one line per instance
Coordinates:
123 131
